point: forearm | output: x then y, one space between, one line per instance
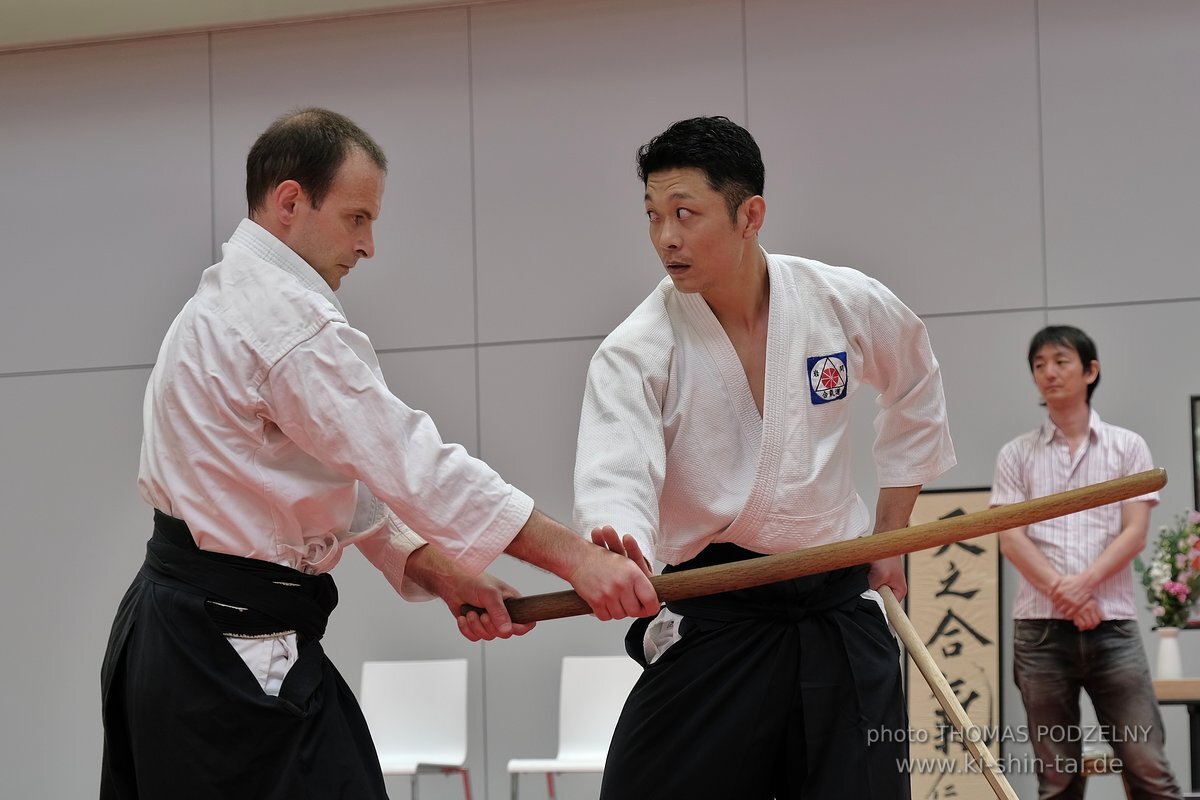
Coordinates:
549 545
429 569
1029 560
894 507
892 512
1135 520
613 585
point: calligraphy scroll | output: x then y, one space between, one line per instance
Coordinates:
954 603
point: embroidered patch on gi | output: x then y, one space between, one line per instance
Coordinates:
827 378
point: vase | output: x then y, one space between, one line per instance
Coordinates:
1169 665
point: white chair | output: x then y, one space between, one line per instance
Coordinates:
592 692
417 713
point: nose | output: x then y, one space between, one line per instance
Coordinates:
668 235
366 245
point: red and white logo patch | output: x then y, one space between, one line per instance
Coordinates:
828 377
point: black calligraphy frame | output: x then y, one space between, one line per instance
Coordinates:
1196 452
930 612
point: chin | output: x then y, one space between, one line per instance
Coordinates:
681 284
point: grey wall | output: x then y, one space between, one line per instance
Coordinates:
1000 165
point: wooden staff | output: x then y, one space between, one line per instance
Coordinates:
863 550
945 695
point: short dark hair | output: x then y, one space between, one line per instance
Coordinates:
724 151
1072 337
307 146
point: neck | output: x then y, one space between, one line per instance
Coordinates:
1072 420
269 224
745 299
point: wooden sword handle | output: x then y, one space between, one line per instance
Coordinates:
945 695
863 550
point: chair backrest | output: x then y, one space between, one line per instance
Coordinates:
417 709
591 696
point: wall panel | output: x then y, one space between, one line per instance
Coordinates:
564 94
403 78
74 533
902 139
105 208
1120 124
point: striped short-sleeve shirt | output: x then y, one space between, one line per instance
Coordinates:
1041 463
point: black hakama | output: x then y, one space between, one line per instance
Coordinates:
791 690
185 718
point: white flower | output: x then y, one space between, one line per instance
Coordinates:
1159 572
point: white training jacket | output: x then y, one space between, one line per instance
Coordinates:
269 429
672 448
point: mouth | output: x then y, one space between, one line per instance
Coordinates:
676 267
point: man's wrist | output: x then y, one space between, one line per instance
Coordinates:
1089 580
426 568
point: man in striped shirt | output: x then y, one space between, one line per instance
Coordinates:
1075 621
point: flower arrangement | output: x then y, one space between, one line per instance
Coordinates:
1172 578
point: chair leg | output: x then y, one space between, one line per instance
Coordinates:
550 786
413 783
466 776
514 780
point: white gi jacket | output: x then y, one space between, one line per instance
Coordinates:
269 429
672 448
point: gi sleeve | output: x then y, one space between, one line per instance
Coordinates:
329 399
912 434
388 550
620 458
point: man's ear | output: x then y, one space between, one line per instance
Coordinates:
1092 372
751 215
284 198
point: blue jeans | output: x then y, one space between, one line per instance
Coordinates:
1052 661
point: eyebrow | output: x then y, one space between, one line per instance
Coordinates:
675 195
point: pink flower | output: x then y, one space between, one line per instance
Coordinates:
1176 589
1159 611
1193 518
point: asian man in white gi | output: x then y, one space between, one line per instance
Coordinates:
271 443
715 428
